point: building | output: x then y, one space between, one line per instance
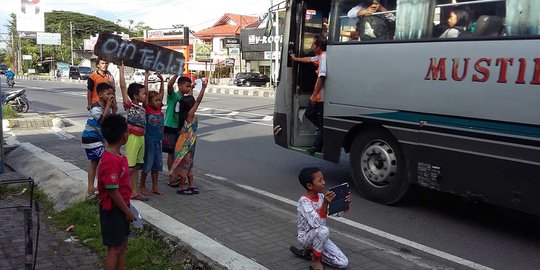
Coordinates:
177 39
261 46
223 41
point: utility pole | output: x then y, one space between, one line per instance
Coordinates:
276 40
71 36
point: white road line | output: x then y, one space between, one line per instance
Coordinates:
374 231
238 120
268 118
232 113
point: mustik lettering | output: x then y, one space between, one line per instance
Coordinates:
484 69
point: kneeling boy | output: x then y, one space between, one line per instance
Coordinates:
312 212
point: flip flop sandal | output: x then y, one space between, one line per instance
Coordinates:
186 191
194 190
140 197
301 253
173 184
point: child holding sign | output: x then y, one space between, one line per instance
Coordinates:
134 99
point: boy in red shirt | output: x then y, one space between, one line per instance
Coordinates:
115 191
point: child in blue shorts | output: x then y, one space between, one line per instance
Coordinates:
153 158
92 139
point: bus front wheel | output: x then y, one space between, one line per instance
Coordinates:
378 167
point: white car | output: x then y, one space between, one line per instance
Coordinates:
138 77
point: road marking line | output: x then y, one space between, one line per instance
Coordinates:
374 231
268 118
232 113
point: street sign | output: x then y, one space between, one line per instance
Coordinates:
49 38
32 35
232 42
30 16
26 57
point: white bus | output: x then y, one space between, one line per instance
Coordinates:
459 115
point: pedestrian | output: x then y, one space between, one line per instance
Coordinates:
312 211
153 136
101 75
92 138
134 99
115 191
314 111
199 82
170 131
184 151
58 73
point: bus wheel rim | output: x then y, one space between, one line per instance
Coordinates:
379 164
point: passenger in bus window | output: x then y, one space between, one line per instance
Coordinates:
314 111
459 22
369 26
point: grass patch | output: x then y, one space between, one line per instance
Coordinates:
9 113
144 251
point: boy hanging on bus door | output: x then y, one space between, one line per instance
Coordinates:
314 111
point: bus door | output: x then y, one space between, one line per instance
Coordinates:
310 17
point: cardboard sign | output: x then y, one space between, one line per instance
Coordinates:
139 54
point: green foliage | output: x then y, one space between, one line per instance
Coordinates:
145 251
9 113
83 25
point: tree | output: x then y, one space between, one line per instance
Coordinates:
84 26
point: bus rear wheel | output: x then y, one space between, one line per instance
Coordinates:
378 167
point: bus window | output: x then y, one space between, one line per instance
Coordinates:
349 25
523 17
314 19
414 19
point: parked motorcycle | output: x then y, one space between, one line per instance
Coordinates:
10 82
16 99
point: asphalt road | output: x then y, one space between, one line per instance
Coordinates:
235 142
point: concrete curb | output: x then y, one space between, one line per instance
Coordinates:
214 89
65 183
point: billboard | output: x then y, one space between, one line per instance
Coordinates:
49 39
203 52
30 16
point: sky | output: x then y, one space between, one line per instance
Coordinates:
196 14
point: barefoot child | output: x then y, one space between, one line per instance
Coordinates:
134 99
114 191
185 146
312 212
92 139
153 159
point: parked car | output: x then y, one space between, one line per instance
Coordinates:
79 73
138 77
250 78
3 69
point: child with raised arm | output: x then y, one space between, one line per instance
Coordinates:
153 158
134 99
184 151
170 130
92 139
114 191
312 212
